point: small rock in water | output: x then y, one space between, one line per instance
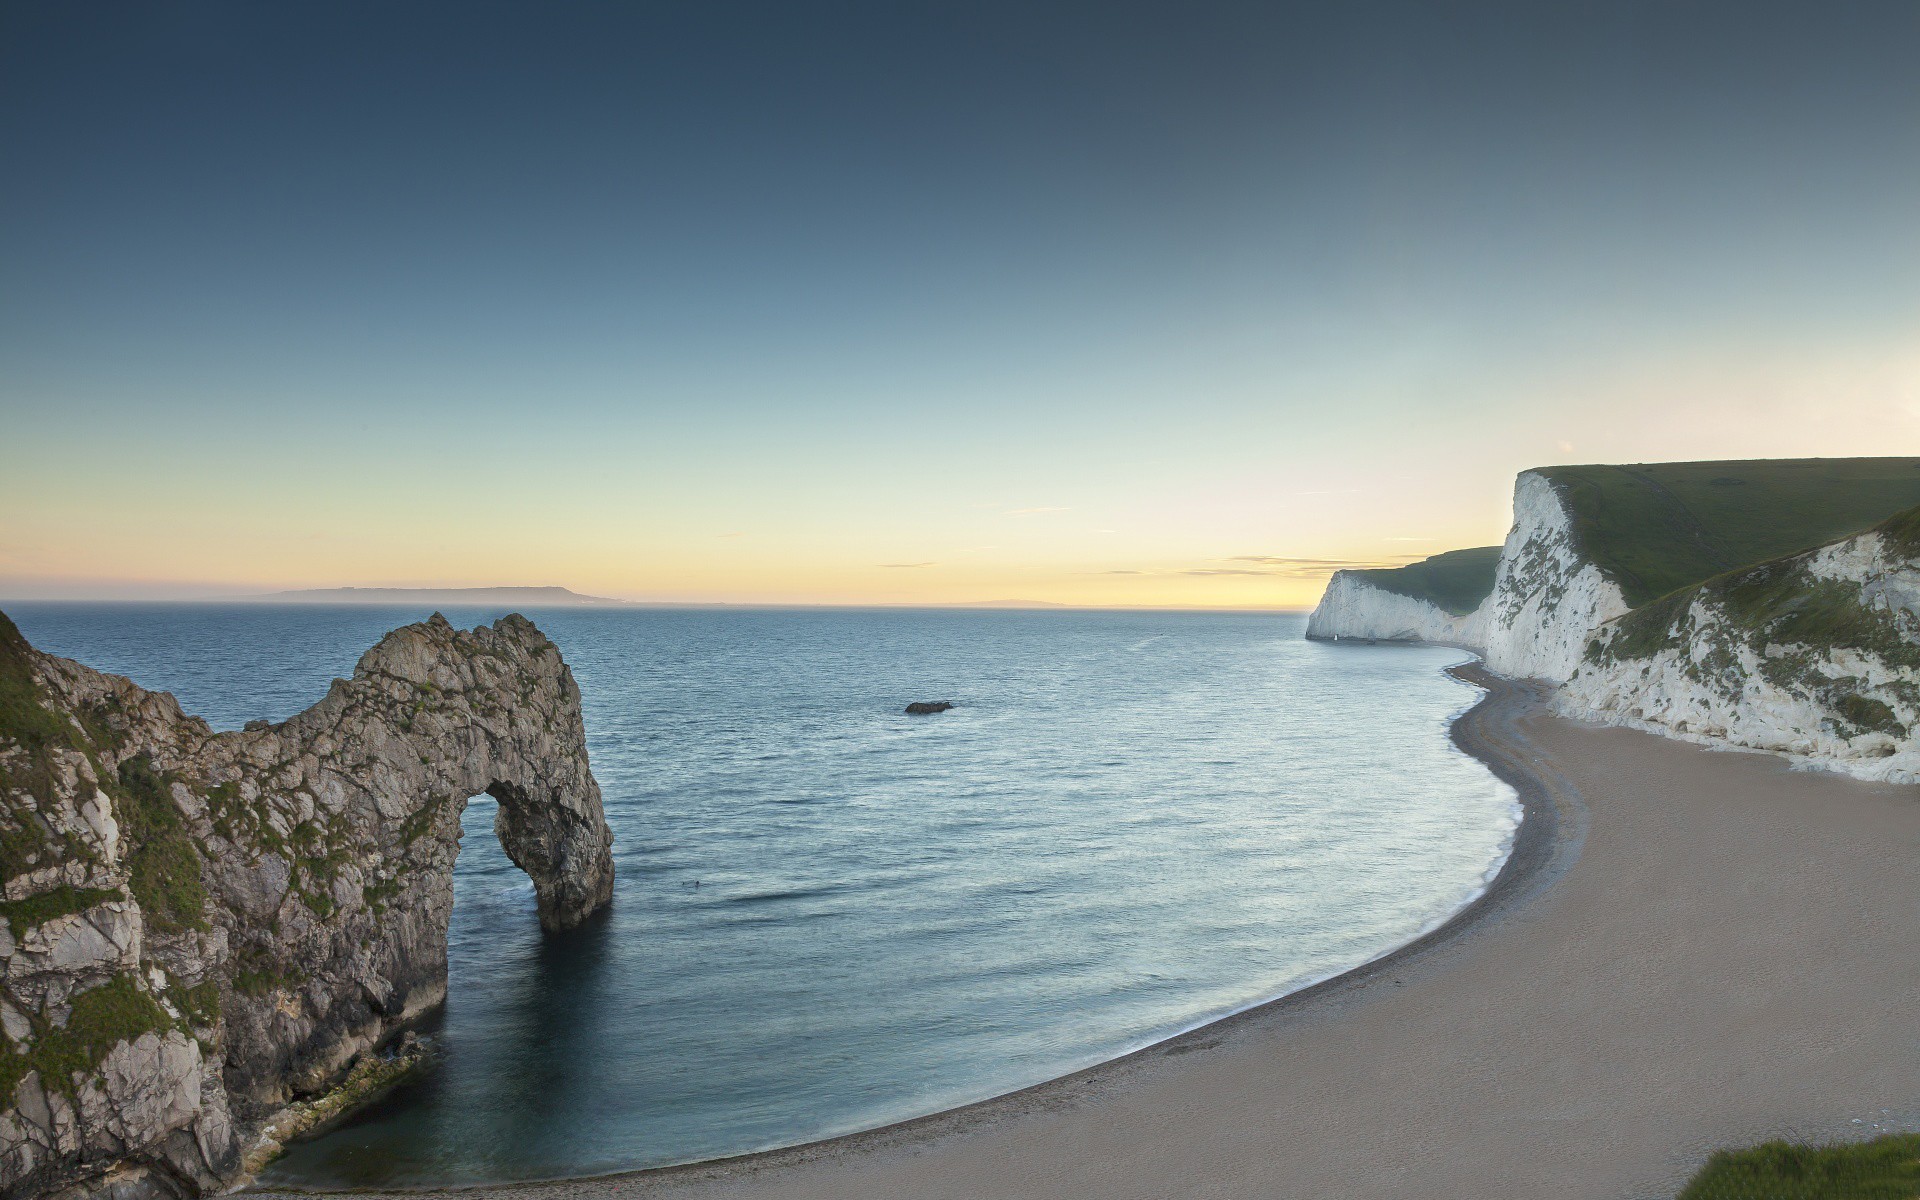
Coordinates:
921 708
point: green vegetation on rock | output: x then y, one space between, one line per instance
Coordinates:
1901 534
256 972
34 911
1796 626
1887 1168
164 867
1456 581
116 1011
1867 714
1656 527
31 735
22 715
200 1003
1788 606
1775 603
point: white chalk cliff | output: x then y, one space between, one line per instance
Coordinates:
1546 598
1717 664
1353 607
1739 663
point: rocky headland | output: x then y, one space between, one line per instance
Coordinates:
203 929
1647 597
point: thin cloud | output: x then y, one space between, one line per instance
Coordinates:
1275 560
1274 566
1296 568
1329 492
1227 571
1030 512
732 535
909 566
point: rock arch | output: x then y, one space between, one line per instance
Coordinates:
382 767
281 893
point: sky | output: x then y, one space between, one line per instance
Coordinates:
1176 304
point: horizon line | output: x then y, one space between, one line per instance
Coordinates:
270 600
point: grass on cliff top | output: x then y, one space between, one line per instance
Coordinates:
22 715
1887 1168
37 730
1656 527
163 865
1778 603
1456 581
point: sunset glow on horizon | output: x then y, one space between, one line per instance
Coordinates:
973 305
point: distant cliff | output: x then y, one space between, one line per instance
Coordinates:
1433 601
1595 551
201 927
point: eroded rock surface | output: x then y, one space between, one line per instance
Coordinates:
201 927
1815 656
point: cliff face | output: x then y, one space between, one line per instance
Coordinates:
1816 656
1546 598
201 927
1355 608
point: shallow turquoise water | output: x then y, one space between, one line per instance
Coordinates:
830 915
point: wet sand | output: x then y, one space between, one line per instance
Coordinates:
1688 949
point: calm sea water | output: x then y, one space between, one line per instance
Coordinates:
829 915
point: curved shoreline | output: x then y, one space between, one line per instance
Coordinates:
1546 843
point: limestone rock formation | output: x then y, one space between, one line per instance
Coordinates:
201 927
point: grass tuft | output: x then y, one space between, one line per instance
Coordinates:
1887 1168
116 1011
164 867
1901 533
35 911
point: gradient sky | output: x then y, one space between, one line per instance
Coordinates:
1098 304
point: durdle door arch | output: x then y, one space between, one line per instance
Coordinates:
432 717
280 895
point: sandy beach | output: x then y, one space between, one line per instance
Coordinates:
1688 950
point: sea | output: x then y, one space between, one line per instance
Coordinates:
829 915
